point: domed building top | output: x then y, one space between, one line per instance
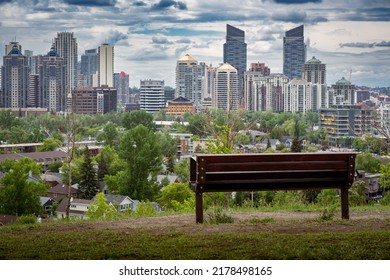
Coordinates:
226 66
52 51
187 57
314 60
15 50
343 81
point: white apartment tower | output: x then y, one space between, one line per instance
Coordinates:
106 65
226 88
66 47
189 80
298 96
152 97
314 71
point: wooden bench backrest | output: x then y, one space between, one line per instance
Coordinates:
250 172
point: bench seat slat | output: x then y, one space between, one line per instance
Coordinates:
269 166
262 175
274 157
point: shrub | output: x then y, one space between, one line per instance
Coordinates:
327 214
357 193
218 216
145 209
328 197
27 219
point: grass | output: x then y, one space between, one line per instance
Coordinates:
89 241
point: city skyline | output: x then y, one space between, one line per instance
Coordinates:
350 37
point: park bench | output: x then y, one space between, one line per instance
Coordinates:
264 172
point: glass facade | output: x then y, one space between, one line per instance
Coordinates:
294 52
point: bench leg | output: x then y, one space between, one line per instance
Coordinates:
199 207
344 204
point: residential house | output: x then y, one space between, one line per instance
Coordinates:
46 203
122 203
78 207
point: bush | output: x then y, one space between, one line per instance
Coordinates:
328 197
218 216
26 219
145 209
327 214
357 193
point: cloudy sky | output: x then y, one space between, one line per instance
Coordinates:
350 36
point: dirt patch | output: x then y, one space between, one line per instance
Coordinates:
245 222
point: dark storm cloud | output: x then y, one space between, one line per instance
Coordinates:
91 2
5 1
296 1
365 45
367 14
115 37
165 4
297 17
139 4
161 41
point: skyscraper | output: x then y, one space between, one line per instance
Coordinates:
235 53
88 65
343 92
15 74
314 71
106 65
52 82
189 80
11 45
294 52
152 98
226 91
66 47
121 83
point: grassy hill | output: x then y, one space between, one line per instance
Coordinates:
253 235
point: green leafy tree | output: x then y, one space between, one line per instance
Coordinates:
175 195
8 119
140 149
110 135
368 163
19 195
108 162
49 144
168 149
182 170
384 179
100 209
132 119
88 177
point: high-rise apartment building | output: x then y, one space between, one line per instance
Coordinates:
15 75
106 65
52 80
343 93
314 71
298 96
11 45
267 93
189 80
121 83
66 46
255 73
235 53
209 81
89 66
94 100
294 52
226 88
152 97
33 90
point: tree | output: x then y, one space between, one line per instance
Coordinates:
108 162
384 179
19 194
368 163
296 146
49 144
88 178
134 118
168 149
99 208
110 135
140 150
182 170
8 119
175 195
